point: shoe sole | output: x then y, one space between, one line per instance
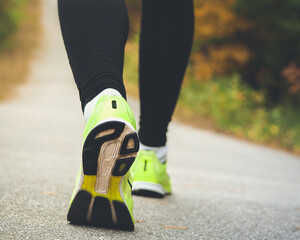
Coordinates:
108 153
148 189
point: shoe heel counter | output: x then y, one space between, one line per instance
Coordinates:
144 169
117 107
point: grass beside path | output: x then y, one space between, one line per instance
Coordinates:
228 106
15 58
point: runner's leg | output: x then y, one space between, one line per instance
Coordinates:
95 33
165 44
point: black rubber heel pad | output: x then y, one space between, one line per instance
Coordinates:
90 165
101 213
122 166
78 210
135 148
147 193
92 145
123 216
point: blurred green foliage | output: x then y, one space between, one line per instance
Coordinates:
10 14
236 108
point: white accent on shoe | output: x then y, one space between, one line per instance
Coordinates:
89 107
161 152
153 187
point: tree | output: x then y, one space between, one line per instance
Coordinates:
273 38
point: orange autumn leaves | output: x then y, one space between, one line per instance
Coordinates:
216 19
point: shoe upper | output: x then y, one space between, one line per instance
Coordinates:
127 187
116 108
148 168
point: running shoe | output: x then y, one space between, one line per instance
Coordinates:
149 176
102 196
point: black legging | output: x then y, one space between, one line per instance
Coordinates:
95 33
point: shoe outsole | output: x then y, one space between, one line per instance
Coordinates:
147 193
108 153
149 189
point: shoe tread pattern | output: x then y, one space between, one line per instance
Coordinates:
104 212
101 214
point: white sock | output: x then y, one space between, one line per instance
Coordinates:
89 107
161 152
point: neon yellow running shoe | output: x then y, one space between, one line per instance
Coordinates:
150 176
102 196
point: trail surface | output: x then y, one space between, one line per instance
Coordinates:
223 188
